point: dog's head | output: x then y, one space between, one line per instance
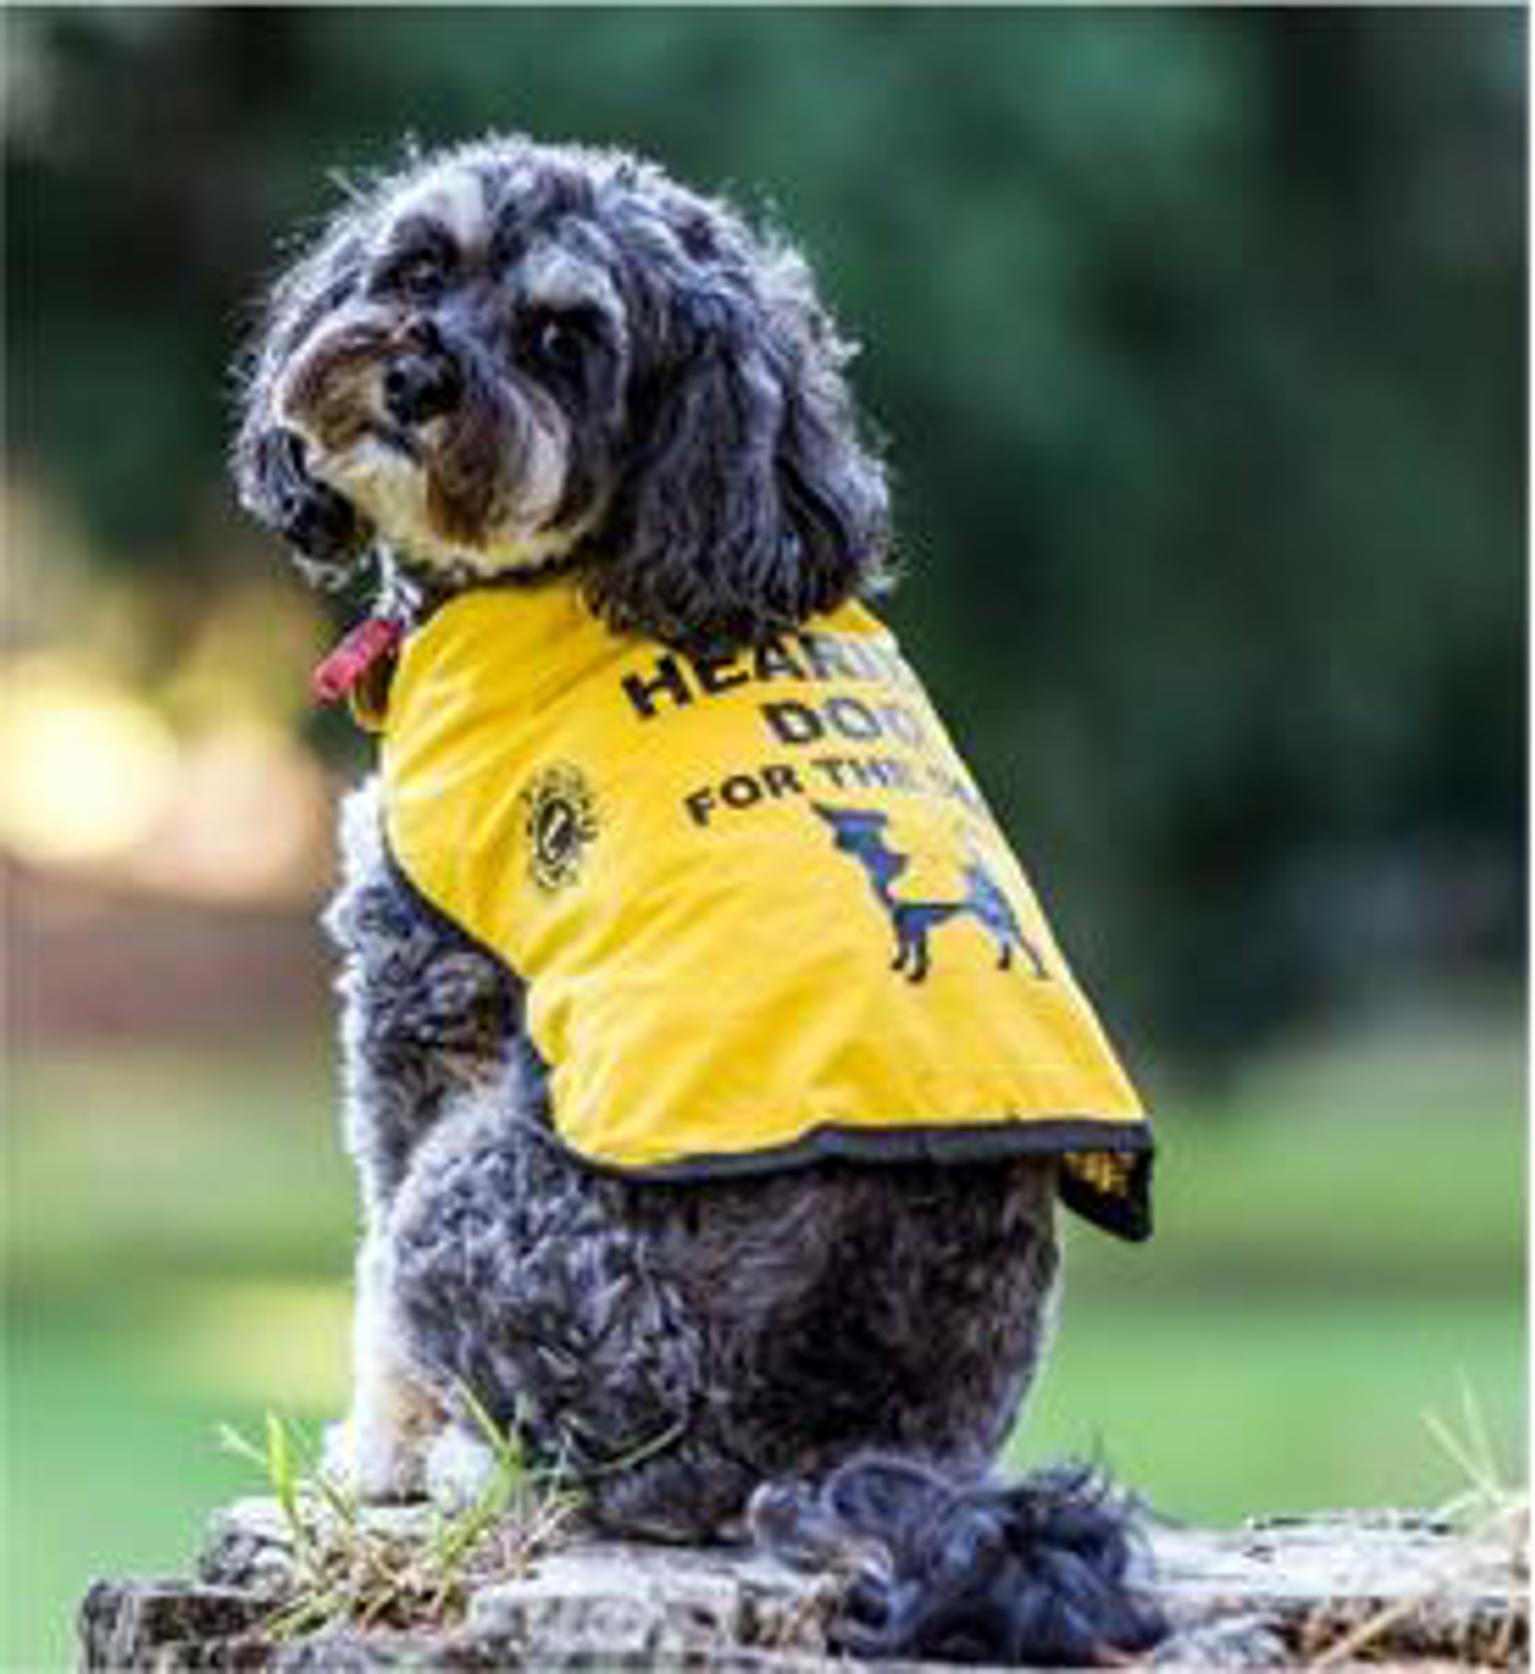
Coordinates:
511 357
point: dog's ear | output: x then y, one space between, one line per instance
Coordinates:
748 501
326 533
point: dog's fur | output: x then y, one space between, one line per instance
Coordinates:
523 365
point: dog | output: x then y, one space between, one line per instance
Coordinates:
861 834
616 1012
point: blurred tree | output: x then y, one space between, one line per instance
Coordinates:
1199 335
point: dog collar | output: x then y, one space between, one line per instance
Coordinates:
359 669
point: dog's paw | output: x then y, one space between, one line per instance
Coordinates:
460 1468
372 1466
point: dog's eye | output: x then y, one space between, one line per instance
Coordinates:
418 276
557 341
421 278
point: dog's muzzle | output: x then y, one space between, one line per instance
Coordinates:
423 381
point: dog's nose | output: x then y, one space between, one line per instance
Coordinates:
421 386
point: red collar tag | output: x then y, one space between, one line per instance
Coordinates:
368 644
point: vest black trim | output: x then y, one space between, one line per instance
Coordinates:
1127 1216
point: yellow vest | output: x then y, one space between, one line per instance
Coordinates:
762 913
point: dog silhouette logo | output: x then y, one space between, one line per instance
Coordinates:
861 834
560 823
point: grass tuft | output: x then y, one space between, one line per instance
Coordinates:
348 1570
1487 1512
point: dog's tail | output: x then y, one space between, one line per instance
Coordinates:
1043 1570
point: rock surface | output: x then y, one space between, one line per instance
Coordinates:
1320 1590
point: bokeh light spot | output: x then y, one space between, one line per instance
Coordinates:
85 768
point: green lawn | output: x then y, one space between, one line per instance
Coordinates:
1214 1409
1340 1242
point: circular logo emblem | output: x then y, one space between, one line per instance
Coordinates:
560 819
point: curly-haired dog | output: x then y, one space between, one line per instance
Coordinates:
659 1156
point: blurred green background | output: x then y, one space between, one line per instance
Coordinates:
1199 340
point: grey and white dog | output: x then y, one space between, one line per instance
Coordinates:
522 365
